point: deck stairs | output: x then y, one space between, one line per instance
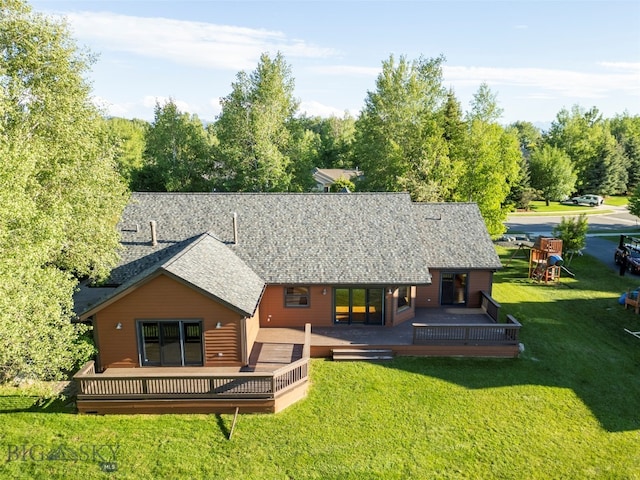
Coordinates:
363 354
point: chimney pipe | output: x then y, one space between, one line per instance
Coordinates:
154 233
235 228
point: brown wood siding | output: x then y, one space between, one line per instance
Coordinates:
429 295
407 313
477 281
253 328
165 298
273 313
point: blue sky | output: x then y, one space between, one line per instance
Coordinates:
538 56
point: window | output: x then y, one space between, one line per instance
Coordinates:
296 296
404 298
170 342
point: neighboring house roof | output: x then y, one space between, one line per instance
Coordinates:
455 236
327 176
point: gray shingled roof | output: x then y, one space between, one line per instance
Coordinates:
286 238
455 236
208 265
213 268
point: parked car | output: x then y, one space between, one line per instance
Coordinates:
592 200
633 257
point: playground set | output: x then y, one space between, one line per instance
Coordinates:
546 264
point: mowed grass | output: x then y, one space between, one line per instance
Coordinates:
569 407
540 207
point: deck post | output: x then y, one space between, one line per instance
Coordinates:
233 424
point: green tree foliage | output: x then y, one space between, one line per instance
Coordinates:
342 183
305 149
634 202
552 173
492 157
529 136
336 136
178 153
399 136
254 129
599 162
626 130
128 138
572 232
60 195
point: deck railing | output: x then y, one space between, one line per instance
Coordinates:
467 334
490 306
157 385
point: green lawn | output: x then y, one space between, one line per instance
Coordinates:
539 207
569 407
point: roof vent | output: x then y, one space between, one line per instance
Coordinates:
154 233
235 228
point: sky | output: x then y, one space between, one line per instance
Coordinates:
538 57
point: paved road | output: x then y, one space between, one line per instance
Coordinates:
610 221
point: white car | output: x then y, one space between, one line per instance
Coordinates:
592 200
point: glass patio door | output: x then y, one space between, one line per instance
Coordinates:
359 306
453 289
170 343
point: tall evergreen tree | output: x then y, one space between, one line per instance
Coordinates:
626 130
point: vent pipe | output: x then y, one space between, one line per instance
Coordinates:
235 228
154 233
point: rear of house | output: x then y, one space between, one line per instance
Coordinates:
201 274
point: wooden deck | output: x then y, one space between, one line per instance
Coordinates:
483 342
278 370
258 389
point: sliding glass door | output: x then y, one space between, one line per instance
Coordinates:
359 306
170 343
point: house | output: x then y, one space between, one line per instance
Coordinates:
202 274
325 177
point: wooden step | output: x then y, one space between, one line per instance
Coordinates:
355 354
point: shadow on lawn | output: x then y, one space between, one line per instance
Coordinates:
590 354
36 404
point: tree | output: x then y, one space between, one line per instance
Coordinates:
552 173
634 202
399 136
491 158
128 137
178 152
573 233
254 129
600 165
60 194
626 130
305 149
342 183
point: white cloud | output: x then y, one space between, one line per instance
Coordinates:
317 109
149 101
187 42
563 82
623 66
214 103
